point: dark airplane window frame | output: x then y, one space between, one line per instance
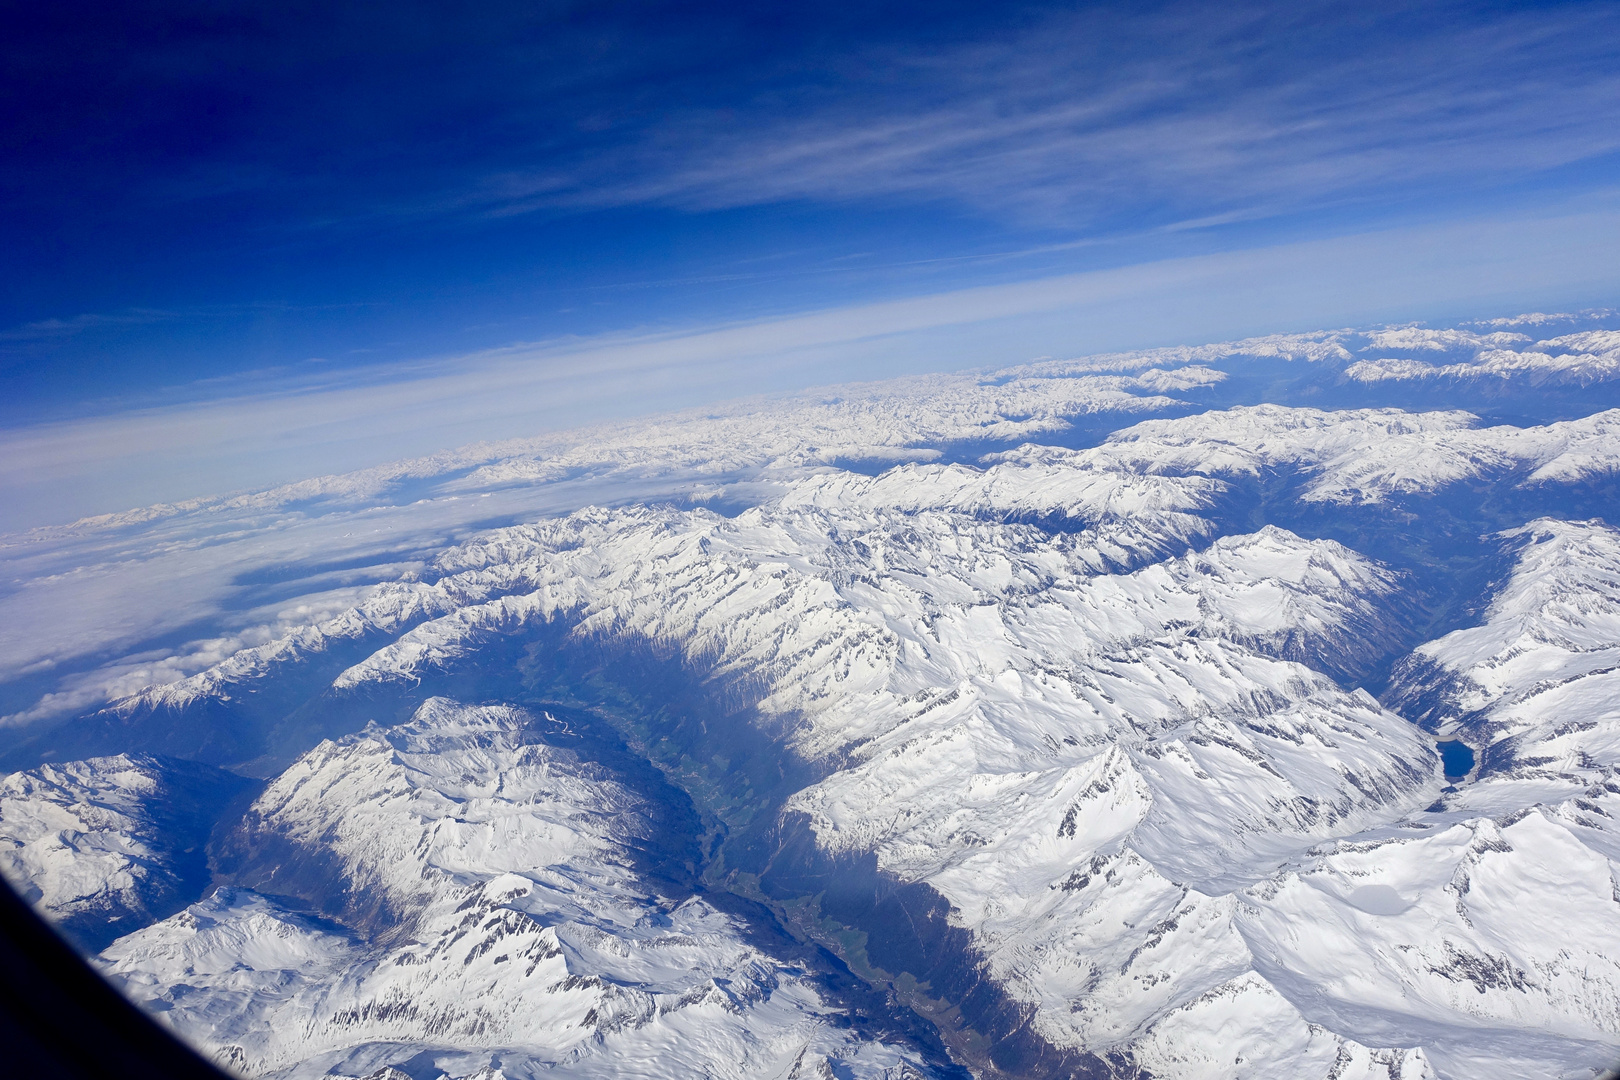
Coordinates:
60 1019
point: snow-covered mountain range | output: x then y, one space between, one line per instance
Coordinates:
1066 721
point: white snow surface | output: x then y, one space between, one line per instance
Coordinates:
77 838
526 942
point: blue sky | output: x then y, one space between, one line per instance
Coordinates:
228 206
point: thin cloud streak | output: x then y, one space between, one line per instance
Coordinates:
84 323
1044 128
53 473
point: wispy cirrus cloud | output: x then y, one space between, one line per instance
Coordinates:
1097 117
87 322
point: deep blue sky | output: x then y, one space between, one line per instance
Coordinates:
192 191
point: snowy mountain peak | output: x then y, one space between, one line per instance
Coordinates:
503 926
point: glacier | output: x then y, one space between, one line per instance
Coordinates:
1076 719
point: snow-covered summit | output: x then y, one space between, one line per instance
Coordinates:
505 926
